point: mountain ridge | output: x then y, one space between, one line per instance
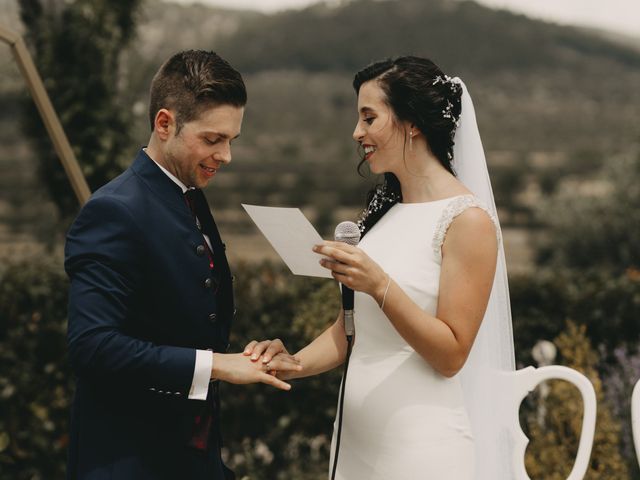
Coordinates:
320 37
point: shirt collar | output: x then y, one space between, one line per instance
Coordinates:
173 178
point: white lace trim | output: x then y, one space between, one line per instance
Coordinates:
454 208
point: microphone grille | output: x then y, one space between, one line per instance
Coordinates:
347 232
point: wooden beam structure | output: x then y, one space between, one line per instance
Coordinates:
48 114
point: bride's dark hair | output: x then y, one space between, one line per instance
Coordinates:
417 91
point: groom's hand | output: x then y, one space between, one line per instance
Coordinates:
238 368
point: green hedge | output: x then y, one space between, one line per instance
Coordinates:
608 304
269 434
35 382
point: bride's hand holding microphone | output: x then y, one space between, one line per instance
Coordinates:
352 267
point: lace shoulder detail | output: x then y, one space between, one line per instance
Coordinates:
454 208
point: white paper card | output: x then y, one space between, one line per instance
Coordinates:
292 236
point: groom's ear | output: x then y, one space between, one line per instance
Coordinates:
164 123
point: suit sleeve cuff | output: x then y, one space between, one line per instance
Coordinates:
201 375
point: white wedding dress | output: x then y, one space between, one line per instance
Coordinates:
402 419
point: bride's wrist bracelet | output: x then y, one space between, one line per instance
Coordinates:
386 290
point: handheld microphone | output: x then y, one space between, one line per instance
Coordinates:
349 233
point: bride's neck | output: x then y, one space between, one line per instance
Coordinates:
430 182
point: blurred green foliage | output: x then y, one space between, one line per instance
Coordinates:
588 271
556 434
619 377
527 79
608 305
598 227
35 382
77 46
269 434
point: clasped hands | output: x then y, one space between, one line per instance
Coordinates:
274 359
259 362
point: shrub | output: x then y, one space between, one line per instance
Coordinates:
607 303
555 440
35 381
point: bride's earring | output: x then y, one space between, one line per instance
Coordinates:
411 141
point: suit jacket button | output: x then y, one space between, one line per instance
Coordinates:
212 317
200 250
208 283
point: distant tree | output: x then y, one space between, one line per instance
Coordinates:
600 229
554 443
77 46
608 305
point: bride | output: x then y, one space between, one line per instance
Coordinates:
432 315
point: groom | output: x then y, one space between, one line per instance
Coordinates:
151 300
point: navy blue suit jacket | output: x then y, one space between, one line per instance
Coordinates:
141 302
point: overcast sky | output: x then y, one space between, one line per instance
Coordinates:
618 15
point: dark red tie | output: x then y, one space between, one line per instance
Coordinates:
191 198
202 423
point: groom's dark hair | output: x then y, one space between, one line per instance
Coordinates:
193 81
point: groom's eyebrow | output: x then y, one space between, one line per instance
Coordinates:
222 135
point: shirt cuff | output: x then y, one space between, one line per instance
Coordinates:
201 375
